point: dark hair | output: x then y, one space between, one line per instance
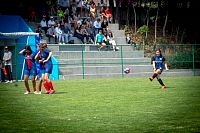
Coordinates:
27 47
111 34
157 49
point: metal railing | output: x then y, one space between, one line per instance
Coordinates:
179 56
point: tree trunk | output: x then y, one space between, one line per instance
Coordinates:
165 24
147 17
116 15
135 19
127 17
156 26
177 32
116 11
182 36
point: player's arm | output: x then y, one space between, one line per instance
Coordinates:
153 63
37 55
166 66
50 53
22 51
165 63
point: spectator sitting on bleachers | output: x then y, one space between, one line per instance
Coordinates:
104 25
51 34
66 13
112 41
97 26
62 22
99 40
128 39
43 24
92 11
108 14
67 33
59 34
60 12
84 33
90 33
79 7
102 13
38 37
78 34
51 22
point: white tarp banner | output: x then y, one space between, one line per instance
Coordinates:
19 34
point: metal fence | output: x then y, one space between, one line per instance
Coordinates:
179 56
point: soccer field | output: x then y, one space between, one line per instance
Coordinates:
103 106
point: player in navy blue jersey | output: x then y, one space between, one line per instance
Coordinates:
29 68
159 64
46 66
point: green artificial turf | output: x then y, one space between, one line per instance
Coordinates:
126 105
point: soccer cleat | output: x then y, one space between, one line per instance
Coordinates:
27 92
35 92
7 82
150 78
47 92
39 92
164 87
51 92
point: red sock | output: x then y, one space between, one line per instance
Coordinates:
28 89
39 87
46 86
34 89
50 85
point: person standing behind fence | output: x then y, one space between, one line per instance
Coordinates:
158 66
7 59
29 68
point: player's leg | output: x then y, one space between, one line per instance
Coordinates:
156 72
39 75
48 71
161 82
49 83
34 84
26 84
33 73
45 83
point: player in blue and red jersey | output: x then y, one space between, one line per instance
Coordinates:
29 68
44 57
158 65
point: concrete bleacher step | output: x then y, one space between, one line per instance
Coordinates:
97 54
113 26
133 73
104 61
102 69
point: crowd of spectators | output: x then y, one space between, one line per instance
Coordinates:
82 19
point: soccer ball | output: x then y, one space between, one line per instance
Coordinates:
127 70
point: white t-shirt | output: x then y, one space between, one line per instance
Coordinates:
7 58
